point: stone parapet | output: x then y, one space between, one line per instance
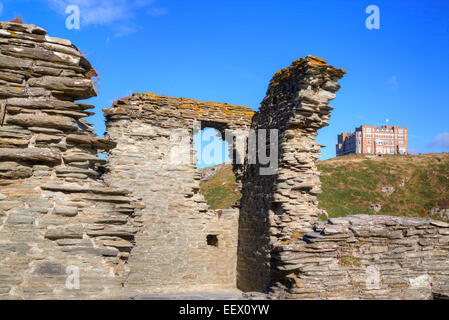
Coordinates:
150 106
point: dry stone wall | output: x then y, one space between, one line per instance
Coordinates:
273 206
182 244
57 217
364 257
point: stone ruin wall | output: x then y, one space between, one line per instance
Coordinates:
171 252
286 252
364 257
274 206
55 209
137 224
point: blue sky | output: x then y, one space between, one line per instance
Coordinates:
227 51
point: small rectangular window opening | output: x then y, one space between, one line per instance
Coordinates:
212 240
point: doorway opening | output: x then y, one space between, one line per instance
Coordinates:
210 147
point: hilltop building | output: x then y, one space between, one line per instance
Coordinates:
373 140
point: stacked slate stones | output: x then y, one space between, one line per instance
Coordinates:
365 257
274 206
55 211
297 103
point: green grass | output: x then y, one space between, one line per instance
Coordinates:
221 191
351 183
347 260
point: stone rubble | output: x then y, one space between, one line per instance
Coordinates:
403 182
440 213
388 190
209 172
376 207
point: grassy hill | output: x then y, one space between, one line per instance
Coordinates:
351 183
221 190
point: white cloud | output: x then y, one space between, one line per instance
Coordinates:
120 14
441 141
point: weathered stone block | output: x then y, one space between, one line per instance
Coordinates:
50 268
71 232
66 211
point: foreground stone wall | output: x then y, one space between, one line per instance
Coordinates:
55 211
172 252
364 257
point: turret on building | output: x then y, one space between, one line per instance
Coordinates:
373 140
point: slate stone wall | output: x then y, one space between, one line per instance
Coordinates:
364 257
275 205
57 216
172 251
